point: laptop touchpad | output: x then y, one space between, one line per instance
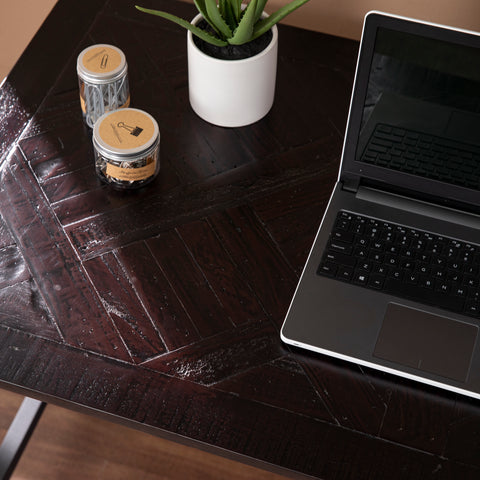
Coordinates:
425 341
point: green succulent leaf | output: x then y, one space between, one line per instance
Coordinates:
267 23
221 6
183 23
200 4
231 24
244 31
216 19
228 14
260 8
237 9
202 8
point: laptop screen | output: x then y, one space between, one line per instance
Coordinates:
415 117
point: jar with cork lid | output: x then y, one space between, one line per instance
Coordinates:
127 148
103 81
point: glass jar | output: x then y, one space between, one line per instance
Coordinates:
127 148
102 80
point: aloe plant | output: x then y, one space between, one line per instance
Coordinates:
231 23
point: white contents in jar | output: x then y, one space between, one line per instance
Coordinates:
102 81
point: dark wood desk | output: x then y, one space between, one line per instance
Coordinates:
161 308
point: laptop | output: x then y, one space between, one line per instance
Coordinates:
392 279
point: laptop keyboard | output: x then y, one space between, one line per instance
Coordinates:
425 155
404 262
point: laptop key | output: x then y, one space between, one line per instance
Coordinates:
376 281
328 268
340 258
472 308
343 236
340 246
360 277
345 273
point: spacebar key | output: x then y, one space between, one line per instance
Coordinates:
423 295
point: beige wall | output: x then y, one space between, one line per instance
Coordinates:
345 17
19 20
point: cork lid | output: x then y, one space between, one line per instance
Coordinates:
125 132
101 63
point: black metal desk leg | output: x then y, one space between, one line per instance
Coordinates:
18 435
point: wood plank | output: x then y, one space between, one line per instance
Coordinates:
463 427
22 307
74 305
225 355
282 383
6 237
190 285
14 118
337 383
231 288
133 323
257 258
403 424
13 268
157 295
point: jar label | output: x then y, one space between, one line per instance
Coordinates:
101 59
129 174
127 129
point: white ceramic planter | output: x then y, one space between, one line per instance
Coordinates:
232 93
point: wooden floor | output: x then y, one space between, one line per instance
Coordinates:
73 446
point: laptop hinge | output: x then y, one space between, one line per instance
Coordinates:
350 184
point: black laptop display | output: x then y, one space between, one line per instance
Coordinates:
392 280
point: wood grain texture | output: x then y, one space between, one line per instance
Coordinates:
161 308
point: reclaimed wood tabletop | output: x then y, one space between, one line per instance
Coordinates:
161 308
